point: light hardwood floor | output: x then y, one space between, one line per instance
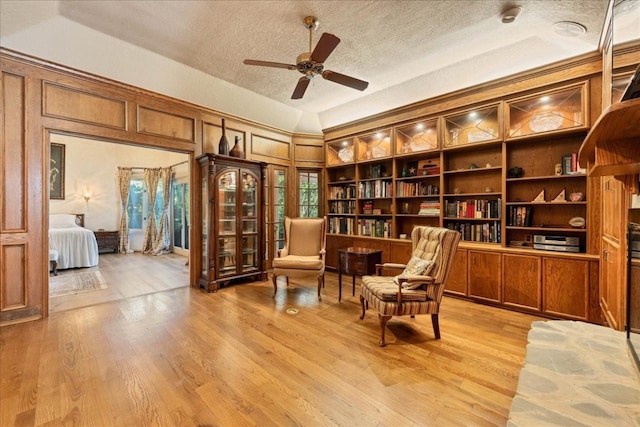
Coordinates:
236 357
127 276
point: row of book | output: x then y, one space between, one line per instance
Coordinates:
473 208
405 189
429 208
472 232
344 192
375 227
520 216
342 207
342 225
376 188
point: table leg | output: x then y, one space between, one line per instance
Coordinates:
353 286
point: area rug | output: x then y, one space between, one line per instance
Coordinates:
73 282
576 374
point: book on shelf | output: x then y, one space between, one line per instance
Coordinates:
375 227
429 208
341 225
520 216
473 208
488 232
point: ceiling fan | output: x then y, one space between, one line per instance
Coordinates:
311 63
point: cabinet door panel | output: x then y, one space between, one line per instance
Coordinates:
457 280
484 275
565 287
522 281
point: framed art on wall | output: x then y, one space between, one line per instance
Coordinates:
56 172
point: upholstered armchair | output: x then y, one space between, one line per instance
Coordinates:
420 286
303 254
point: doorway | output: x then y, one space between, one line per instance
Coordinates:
90 188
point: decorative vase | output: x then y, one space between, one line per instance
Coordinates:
237 151
223 145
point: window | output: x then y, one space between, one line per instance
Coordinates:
309 193
138 208
180 207
279 208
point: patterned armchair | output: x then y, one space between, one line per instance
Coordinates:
419 288
304 251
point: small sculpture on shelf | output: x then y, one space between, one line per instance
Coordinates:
237 150
539 198
515 172
561 197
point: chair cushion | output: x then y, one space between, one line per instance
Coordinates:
415 267
384 288
297 262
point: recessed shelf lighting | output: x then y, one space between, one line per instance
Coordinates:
569 29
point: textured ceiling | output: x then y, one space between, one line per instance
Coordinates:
406 50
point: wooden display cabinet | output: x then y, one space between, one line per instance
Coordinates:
541 201
417 137
474 126
233 238
556 110
417 192
374 145
341 152
472 201
341 199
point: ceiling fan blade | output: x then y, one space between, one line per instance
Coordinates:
301 87
269 64
325 46
342 79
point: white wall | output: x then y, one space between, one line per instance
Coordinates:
91 166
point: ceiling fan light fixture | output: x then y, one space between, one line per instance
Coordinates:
510 14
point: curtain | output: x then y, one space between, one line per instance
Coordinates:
162 243
151 178
124 180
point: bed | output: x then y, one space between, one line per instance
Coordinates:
76 245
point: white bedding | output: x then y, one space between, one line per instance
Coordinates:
77 246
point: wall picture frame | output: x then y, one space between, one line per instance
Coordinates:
56 172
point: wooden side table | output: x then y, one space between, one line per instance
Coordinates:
107 240
356 262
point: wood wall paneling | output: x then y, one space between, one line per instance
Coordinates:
13 281
264 148
166 124
82 106
13 179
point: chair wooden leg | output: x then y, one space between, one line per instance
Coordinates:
383 324
275 285
436 325
320 285
362 303
54 267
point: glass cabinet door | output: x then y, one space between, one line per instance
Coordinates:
249 221
227 217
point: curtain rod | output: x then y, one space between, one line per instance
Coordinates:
147 167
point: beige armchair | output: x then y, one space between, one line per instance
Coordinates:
419 288
304 251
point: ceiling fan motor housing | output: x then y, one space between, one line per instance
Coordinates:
306 66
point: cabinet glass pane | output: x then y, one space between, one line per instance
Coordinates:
340 152
249 252
374 146
227 203
416 137
205 223
547 112
227 255
472 127
249 195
